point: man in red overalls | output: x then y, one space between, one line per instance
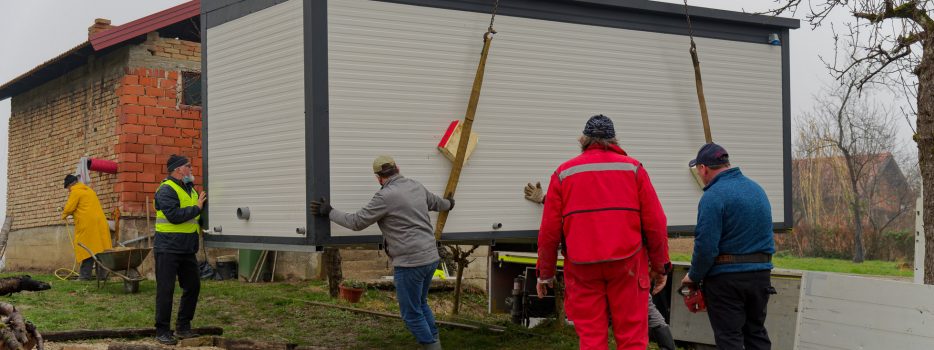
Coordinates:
601 205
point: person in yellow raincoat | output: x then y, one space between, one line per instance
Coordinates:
91 227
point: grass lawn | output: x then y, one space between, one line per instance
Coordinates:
868 267
273 312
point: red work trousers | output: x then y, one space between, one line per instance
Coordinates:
619 287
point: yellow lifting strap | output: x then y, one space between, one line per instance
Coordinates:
468 123
697 78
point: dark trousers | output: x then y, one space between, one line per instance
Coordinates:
736 307
87 270
84 273
185 268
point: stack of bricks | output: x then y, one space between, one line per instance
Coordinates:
152 125
173 48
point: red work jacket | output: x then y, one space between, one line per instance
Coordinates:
601 204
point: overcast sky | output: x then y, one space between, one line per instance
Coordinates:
32 32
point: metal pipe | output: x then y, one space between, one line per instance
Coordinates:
517 301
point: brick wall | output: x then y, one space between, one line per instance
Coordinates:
173 48
50 128
153 125
123 107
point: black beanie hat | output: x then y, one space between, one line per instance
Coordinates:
175 161
70 179
599 126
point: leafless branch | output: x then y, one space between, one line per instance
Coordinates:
910 10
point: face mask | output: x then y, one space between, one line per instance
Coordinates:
188 179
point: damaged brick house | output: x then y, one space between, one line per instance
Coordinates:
823 215
129 94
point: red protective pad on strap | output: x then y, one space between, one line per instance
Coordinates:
447 134
102 165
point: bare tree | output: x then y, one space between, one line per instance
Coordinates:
461 258
890 43
332 268
846 128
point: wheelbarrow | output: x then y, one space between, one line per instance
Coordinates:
122 262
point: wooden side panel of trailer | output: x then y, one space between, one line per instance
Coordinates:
781 320
849 312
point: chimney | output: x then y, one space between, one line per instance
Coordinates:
100 24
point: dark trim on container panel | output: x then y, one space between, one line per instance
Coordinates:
264 246
223 11
317 144
297 240
373 240
698 12
205 212
786 128
642 16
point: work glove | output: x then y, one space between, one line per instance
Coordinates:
535 193
320 207
451 199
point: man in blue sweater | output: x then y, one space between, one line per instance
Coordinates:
733 246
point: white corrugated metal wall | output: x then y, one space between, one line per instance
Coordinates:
256 148
398 74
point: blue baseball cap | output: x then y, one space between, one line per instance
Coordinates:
710 154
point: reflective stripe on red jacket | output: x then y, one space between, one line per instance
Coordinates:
600 204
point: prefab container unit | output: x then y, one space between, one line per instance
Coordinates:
301 95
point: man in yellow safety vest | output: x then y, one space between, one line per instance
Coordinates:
178 210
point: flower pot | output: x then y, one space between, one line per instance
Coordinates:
351 294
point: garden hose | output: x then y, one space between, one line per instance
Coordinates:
64 273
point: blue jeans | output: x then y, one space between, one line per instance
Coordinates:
412 291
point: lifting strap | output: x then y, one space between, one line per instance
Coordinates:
697 78
468 123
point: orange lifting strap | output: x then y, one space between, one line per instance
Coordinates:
468 123
697 78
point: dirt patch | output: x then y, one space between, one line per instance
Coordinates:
102 344
681 245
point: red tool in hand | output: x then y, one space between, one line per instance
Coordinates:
693 297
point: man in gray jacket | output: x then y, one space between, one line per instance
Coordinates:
400 209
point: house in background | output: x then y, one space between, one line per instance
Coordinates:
129 94
822 202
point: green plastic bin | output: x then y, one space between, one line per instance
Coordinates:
247 262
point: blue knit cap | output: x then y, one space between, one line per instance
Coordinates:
175 161
599 126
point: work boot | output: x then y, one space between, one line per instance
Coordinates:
166 339
663 338
433 346
185 334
